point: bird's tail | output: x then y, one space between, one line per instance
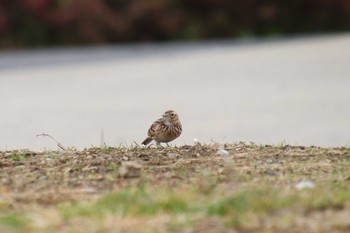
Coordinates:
146 141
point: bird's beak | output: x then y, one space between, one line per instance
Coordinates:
164 115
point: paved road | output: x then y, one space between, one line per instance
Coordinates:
294 91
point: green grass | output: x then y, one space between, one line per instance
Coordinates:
138 202
14 221
128 202
17 156
234 208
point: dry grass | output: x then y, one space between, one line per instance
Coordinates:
176 189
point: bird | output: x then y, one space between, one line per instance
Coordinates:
165 129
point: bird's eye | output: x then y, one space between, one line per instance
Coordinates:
173 114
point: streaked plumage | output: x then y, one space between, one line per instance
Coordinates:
165 129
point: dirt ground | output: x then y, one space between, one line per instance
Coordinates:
240 187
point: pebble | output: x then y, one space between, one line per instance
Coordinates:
222 152
305 184
196 141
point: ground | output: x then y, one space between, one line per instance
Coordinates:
252 188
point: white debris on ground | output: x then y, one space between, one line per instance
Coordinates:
196 141
305 184
222 152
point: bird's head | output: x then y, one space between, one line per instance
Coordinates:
171 116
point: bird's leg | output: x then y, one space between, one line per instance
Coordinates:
158 145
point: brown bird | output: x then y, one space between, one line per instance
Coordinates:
164 129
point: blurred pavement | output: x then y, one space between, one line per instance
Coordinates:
294 91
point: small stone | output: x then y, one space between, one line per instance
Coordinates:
305 184
88 190
42 177
222 152
196 141
270 161
172 155
270 172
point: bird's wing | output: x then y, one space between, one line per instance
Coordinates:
155 127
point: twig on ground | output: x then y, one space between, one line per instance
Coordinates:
58 143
